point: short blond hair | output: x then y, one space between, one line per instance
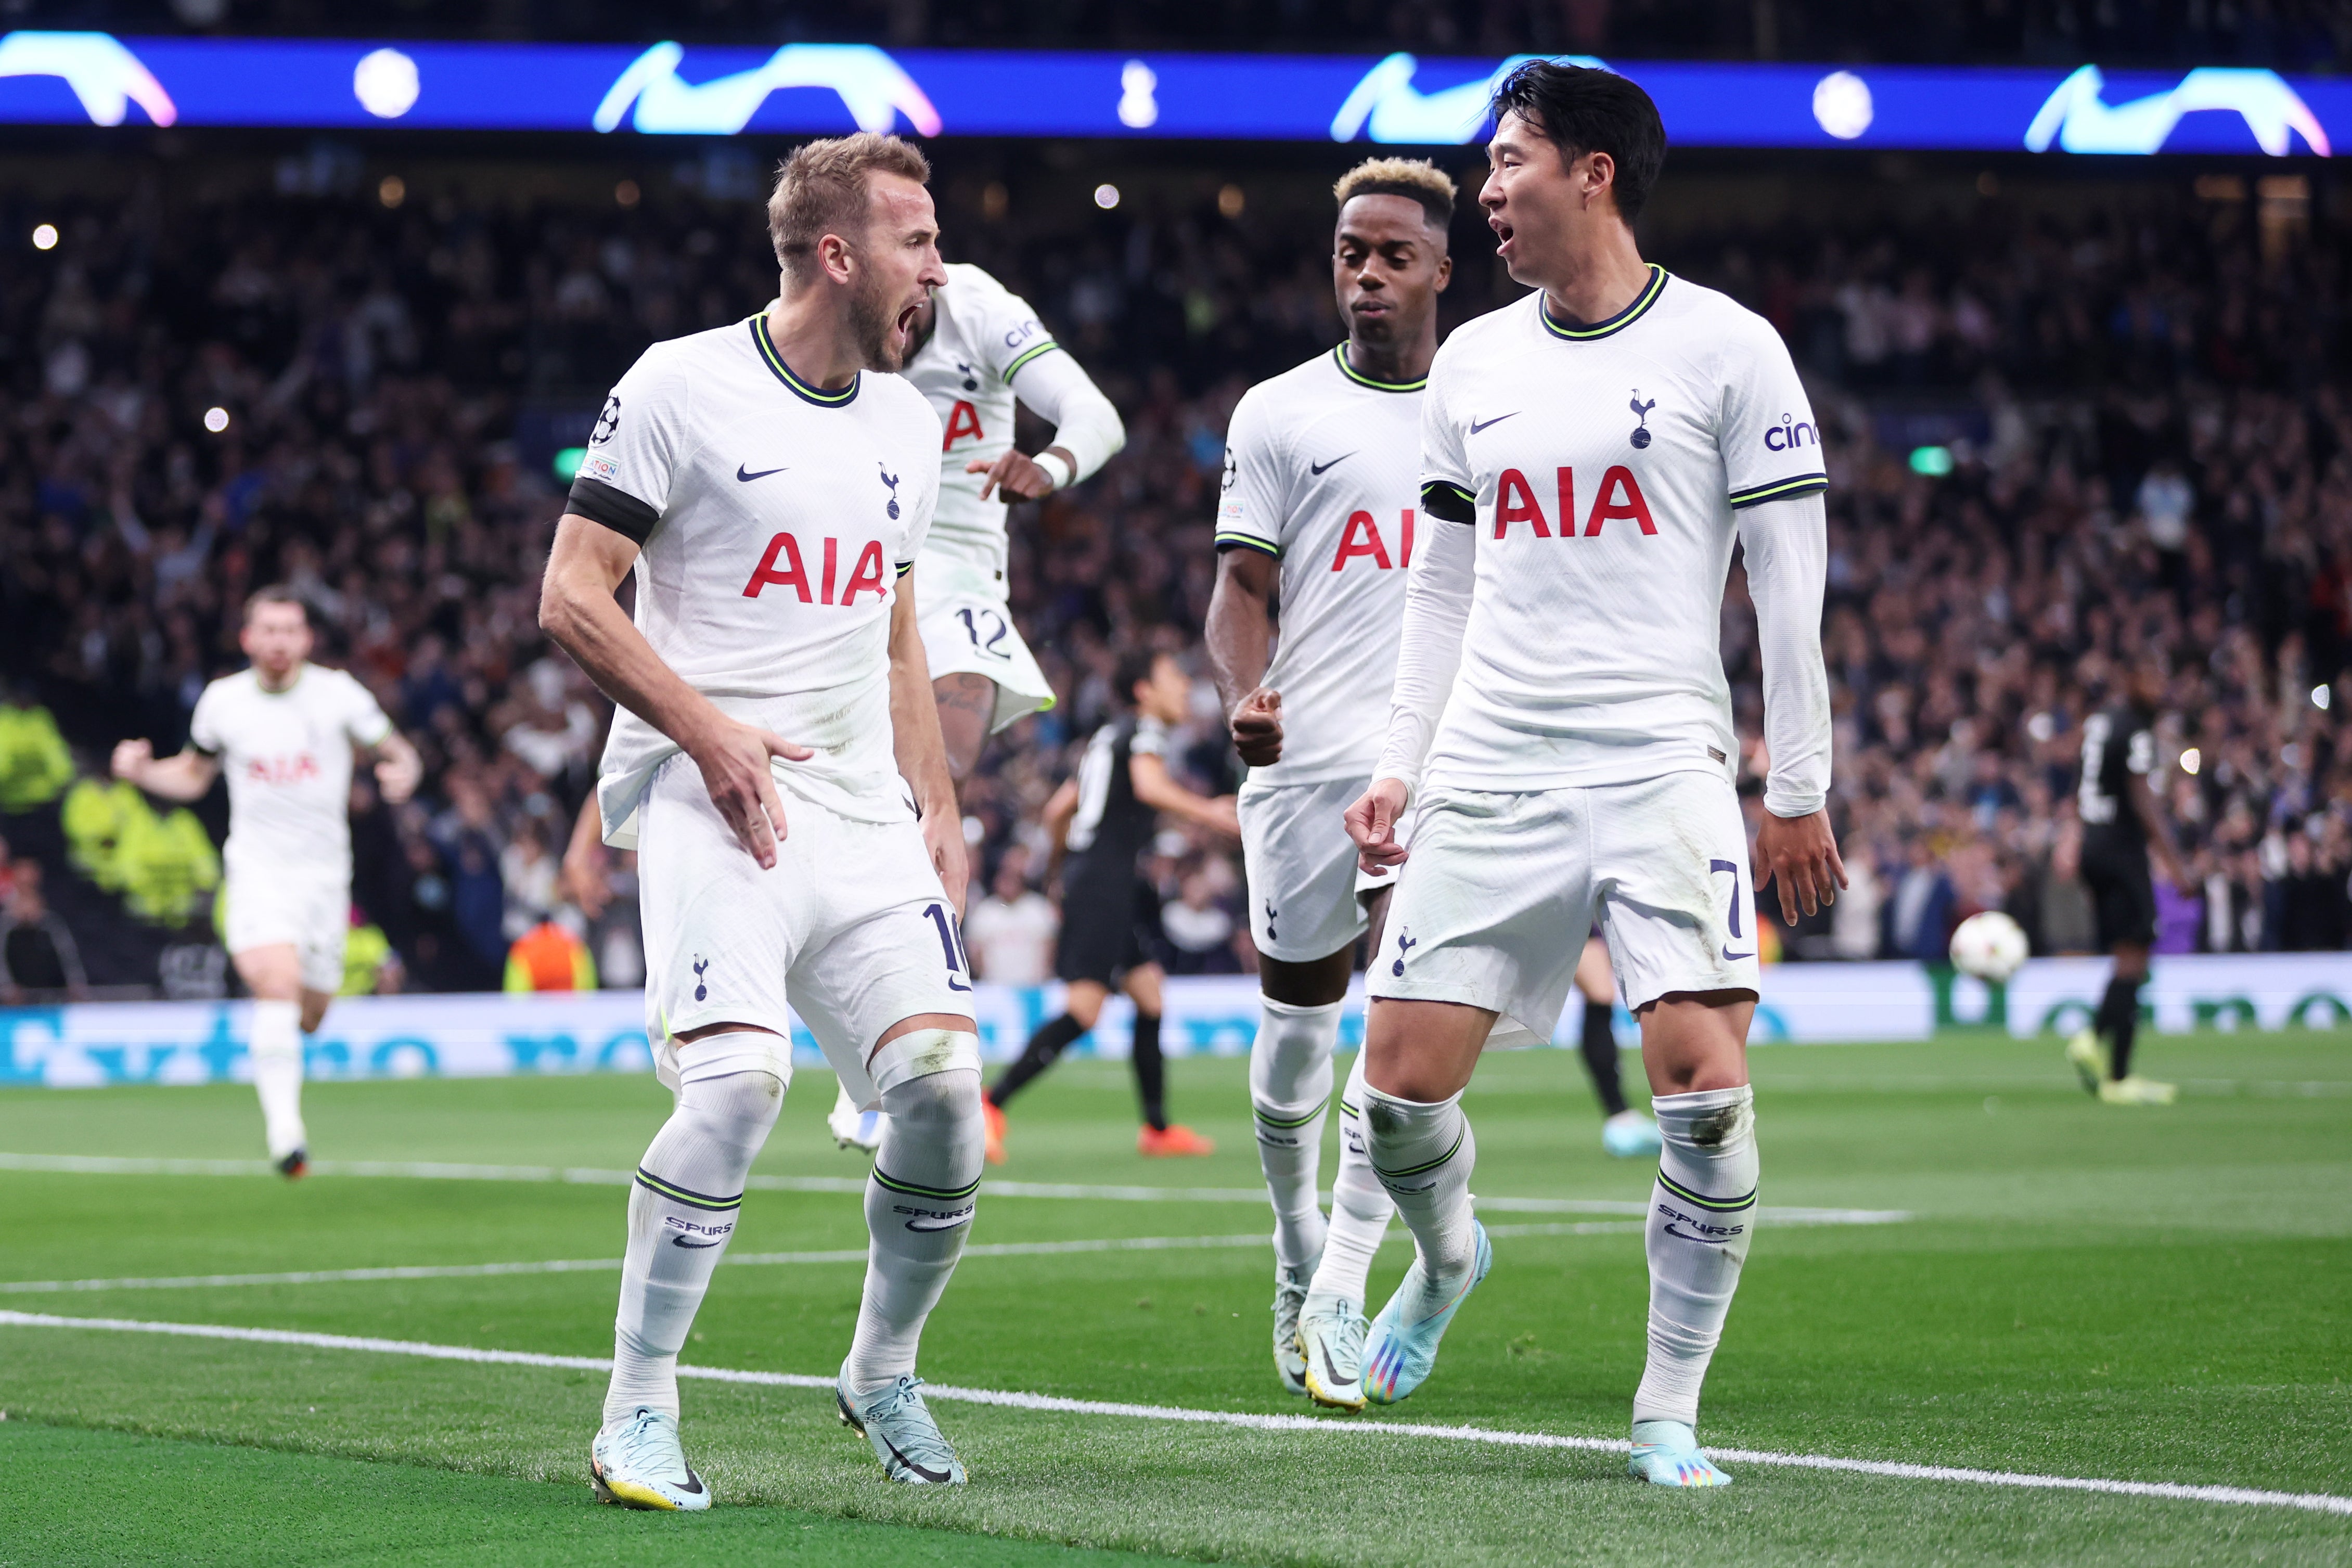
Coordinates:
822 188
1415 179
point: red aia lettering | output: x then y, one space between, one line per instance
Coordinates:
794 575
1362 537
964 419
866 575
1516 502
1406 559
1618 481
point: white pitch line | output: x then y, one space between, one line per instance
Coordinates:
754 1259
422 1170
2312 1503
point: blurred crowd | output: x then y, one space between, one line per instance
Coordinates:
2060 443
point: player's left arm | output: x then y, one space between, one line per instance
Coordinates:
1775 478
398 769
1088 430
921 750
2147 807
1787 546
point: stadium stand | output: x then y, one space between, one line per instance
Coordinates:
2041 406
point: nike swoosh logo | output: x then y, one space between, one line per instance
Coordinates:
937 1477
762 474
1318 467
1731 957
1476 426
690 1246
1711 1241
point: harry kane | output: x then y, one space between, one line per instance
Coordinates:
777 765
1562 726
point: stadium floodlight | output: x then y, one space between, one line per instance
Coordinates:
1935 462
873 87
45 236
1842 105
2076 119
216 419
1106 196
387 83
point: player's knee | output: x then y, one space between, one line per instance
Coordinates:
743 1099
925 1053
938 1104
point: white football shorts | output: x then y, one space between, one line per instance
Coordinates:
285 906
851 926
968 631
1493 907
1306 893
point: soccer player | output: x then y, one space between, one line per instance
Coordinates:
1105 817
1625 1132
1321 486
777 766
283 730
2123 826
1562 726
978 348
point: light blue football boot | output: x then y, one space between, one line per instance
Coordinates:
1666 1453
1399 1351
895 1419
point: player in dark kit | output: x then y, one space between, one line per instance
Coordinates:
1104 818
2123 826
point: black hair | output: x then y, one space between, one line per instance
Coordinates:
1582 110
1134 667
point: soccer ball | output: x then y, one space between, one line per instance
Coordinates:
1989 946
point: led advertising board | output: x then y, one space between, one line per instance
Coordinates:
61 79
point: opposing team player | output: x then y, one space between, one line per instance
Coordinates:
1562 725
283 731
777 765
979 349
1321 486
2124 826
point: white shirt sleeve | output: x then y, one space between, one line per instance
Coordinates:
1787 546
1764 426
1085 424
643 434
1436 610
1252 505
204 724
365 720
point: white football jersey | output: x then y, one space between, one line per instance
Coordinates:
776 521
984 335
1604 464
287 758
1321 472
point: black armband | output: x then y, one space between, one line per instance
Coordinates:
1447 500
617 508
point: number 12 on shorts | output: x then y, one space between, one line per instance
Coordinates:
951 943
971 629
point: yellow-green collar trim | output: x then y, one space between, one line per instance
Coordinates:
1339 357
1616 323
801 389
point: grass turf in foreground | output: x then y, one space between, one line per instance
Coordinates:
2150 1295
200 1505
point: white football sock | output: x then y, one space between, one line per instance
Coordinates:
682 1212
276 1048
1290 1092
1702 1214
1423 1154
1359 1212
918 1208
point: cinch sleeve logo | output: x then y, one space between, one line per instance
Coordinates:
1790 434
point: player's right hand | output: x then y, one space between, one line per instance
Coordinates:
132 757
733 758
582 878
1371 823
1257 724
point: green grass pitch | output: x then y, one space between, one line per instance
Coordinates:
2161 1295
